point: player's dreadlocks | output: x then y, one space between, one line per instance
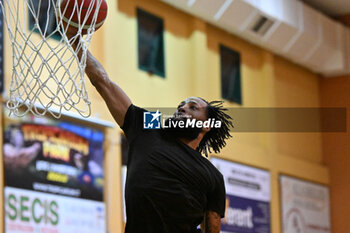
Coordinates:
215 138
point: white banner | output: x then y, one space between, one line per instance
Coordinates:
244 181
31 211
305 206
247 198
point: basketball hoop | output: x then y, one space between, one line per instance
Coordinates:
47 72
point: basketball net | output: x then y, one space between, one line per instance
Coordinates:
47 75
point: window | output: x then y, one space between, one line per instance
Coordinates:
150 43
47 22
230 75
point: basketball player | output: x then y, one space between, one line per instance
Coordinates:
170 186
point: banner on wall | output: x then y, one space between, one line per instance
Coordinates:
31 211
305 206
247 198
48 159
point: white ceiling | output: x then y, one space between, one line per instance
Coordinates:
298 32
331 7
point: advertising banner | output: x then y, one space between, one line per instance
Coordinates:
305 206
52 167
30 211
53 156
247 198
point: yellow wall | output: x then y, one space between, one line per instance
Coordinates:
193 69
336 152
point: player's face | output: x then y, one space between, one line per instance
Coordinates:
193 107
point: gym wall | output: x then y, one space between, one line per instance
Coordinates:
192 63
336 152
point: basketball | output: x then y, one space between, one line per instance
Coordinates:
81 14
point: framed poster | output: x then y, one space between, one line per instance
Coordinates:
54 176
247 198
305 206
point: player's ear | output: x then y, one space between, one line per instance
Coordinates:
206 129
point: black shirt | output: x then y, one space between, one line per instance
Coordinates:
169 186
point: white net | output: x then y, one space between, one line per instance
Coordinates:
47 75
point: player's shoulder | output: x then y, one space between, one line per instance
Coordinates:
214 170
135 108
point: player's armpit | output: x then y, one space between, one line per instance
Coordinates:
211 223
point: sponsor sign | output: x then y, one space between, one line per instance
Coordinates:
53 156
305 206
54 177
30 211
247 198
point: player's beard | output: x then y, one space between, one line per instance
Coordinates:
190 133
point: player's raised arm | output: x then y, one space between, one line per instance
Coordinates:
116 99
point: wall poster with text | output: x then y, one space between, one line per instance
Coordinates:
247 198
54 176
305 206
